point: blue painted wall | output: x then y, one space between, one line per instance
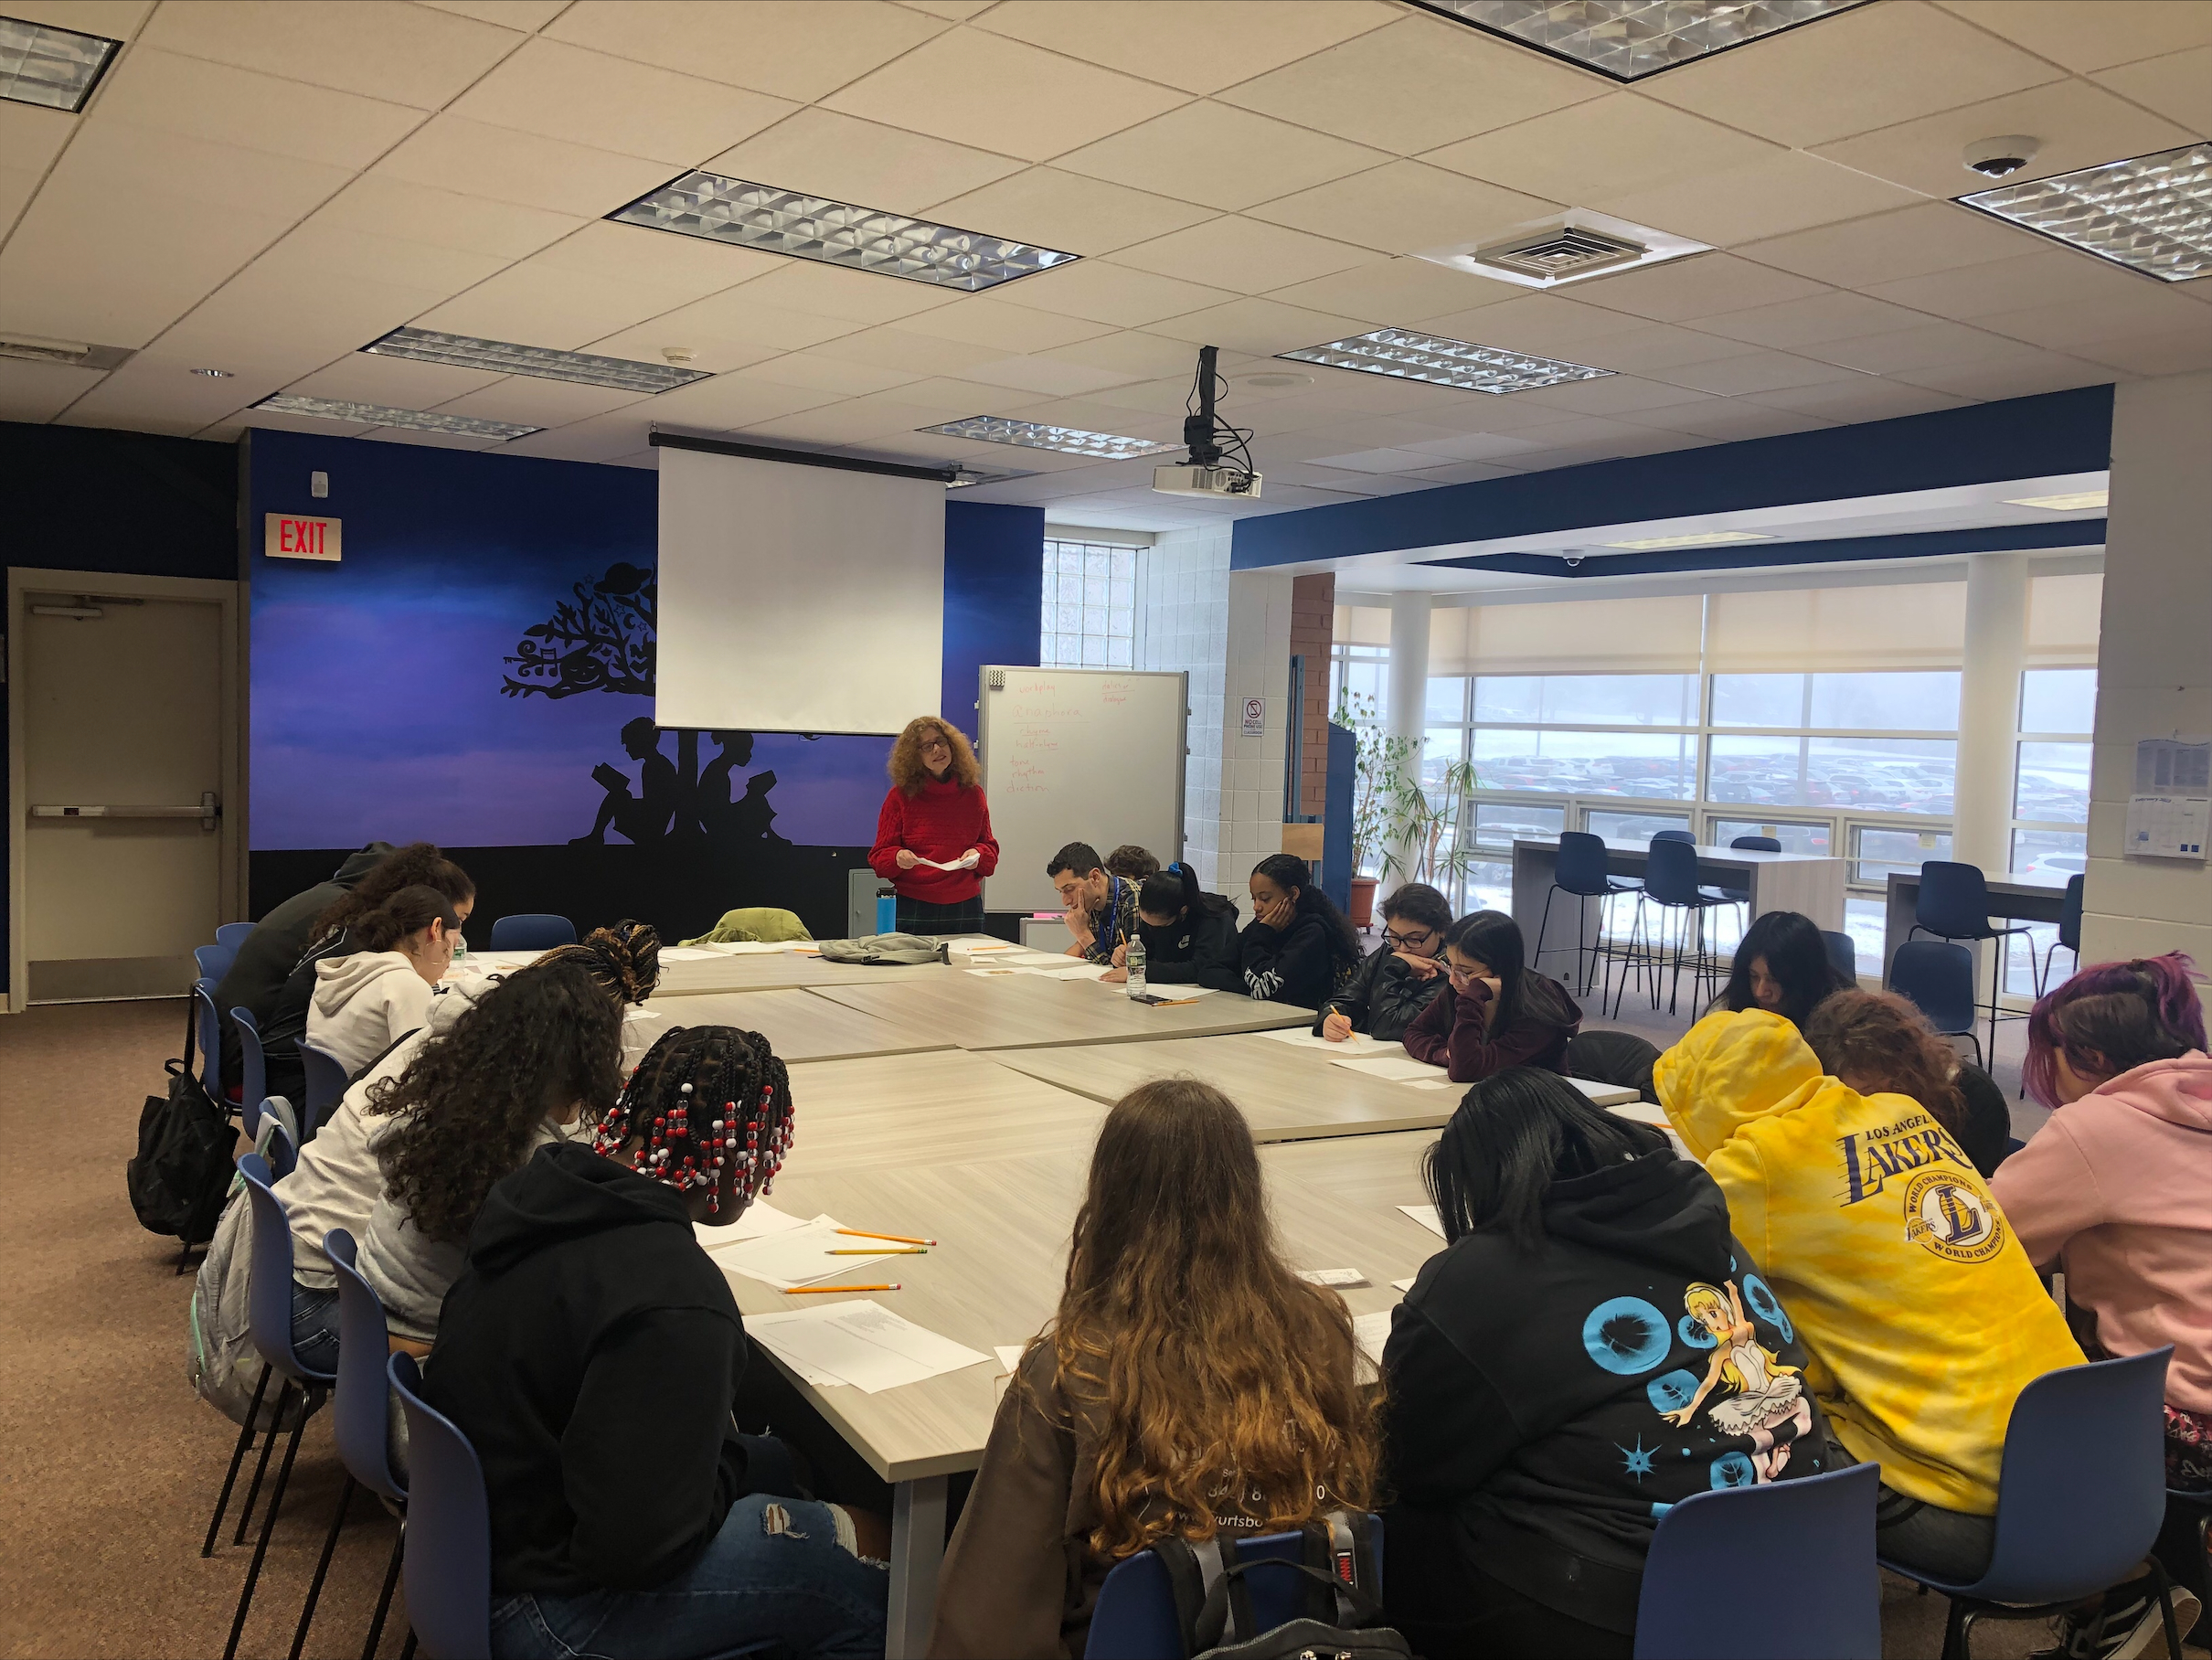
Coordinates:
995 585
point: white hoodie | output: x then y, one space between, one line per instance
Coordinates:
362 1002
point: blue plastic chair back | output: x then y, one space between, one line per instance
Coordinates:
1670 873
1756 844
269 1293
326 1083
1581 864
1843 952
214 960
449 1528
1674 836
1955 900
254 1071
359 1413
233 935
1938 978
2083 1490
2069 916
532 931
209 1036
1798 1555
1135 1615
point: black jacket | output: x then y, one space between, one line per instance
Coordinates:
272 949
592 1353
1525 1433
1385 996
1294 966
1988 1130
286 1023
1200 950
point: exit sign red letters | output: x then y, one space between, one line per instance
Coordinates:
289 537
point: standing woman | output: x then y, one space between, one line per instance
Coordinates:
935 815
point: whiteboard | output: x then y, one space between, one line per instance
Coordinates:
1078 755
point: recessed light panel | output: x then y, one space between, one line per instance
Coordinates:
505 357
1066 441
1412 355
1629 39
837 233
55 68
1707 538
2076 501
2153 214
384 415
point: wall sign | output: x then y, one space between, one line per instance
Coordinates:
288 536
1255 716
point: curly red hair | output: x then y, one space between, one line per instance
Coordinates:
906 768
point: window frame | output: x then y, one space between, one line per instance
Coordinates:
1047 654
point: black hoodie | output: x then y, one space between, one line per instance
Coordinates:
1525 1435
591 1353
1297 964
273 949
1200 950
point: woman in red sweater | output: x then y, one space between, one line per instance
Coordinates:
933 840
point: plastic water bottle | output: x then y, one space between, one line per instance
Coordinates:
1135 963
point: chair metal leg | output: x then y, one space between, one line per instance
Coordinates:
384 1597
1545 925
260 1468
269 1516
314 1586
2166 1606
238 1457
1958 1632
408 1652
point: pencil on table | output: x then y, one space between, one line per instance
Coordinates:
869 1250
862 1233
805 1291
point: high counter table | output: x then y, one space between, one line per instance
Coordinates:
1024 1011
1810 883
2015 901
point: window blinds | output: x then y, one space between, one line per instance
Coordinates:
2063 616
1905 625
1640 636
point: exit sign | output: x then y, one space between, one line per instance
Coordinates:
291 538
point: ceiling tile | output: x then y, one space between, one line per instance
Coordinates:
1477 446
430 441
1625 394
954 11
318 248
1910 242
772 46
2146 306
1608 146
1055 377
1105 292
964 398
1400 292
408 54
729 321
30 137
1134 353
1186 153
1835 315
398 383
911 356
612 103
1928 346
38 393
1726 420
1038 103
726 402
651 340
2086 34
539 304
680 269
1872 66
1405 207
1244 255
1660 345
833 290
523 167
2021 376
116 19
1866 400
852 422
826 374
17 186
169 94
1550 325
1751 372
2179 87
1263 327
610 439
527 16
1049 209
148 394
984 320
1705 285
844 159
1786 192
1210 44
2166 351
269 322
400 211
532 400
1378 461
2037 275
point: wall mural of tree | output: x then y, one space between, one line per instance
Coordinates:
600 640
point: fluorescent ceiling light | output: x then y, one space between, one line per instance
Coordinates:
837 233
1066 441
2072 502
505 357
1412 355
1704 538
1629 39
2153 214
58 68
384 415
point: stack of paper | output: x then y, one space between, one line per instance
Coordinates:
859 1343
1339 1277
757 1218
1426 1215
1371 1332
792 1256
966 861
1405 1069
1357 1046
1404 1284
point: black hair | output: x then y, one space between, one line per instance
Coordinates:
1080 857
406 912
741 1093
1287 870
1418 902
625 960
417 865
1493 938
1797 960
1132 863
1513 1135
1170 893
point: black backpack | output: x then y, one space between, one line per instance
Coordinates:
183 1171
1343 1597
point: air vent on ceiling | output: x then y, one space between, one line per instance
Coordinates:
1569 250
75 354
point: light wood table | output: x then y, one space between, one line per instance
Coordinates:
1024 1011
751 971
799 1026
1335 1206
942 1107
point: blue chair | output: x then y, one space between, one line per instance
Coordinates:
1800 1551
233 934
1953 904
326 1083
208 1035
1938 977
253 1070
2080 1498
268 1317
279 1144
1843 953
532 931
2069 932
1581 873
447 1555
213 961
1670 882
1135 1615
360 1423
1674 836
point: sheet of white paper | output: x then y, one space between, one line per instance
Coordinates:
1371 1332
747 948
1073 971
1643 1111
1604 1095
1332 1276
1395 1068
758 1217
864 1344
1010 1355
687 953
1426 1215
966 861
1428 1083
1180 994
760 1327
1404 1284
795 1256
1358 1045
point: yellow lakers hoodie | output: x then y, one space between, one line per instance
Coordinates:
1920 1313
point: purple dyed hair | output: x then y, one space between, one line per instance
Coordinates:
2113 1018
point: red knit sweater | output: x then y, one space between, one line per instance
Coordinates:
942 821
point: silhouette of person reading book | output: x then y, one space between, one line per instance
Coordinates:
641 817
745 818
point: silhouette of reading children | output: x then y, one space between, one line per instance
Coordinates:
644 816
745 818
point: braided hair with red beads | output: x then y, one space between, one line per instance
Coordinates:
708 1108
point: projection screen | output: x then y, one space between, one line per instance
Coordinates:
797 598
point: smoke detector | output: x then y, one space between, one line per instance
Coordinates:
73 354
1999 157
1566 248
678 354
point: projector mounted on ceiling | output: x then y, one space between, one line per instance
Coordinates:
1210 470
1566 248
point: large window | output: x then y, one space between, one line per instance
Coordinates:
1090 612
2050 795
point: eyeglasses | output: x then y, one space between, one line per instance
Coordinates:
1413 942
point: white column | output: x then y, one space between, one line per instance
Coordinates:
1989 700
1409 681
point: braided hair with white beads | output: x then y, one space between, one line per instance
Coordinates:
708 1108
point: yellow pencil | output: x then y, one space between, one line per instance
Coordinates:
903 1250
862 1233
807 1290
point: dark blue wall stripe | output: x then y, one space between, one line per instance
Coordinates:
1750 555
2057 432
994 583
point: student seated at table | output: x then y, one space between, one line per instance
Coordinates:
592 1353
1782 966
1298 948
1591 1347
624 962
1905 1282
1101 908
1132 863
268 955
1880 1044
368 999
1495 1011
1190 1382
1401 977
1190 935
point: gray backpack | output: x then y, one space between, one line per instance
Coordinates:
885 948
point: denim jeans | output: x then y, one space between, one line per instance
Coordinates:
314 1327
797 1586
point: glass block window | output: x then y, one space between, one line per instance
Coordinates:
1090 612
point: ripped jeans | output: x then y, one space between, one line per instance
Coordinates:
796 1585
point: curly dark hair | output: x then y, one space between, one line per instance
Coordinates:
741 1095
417 865
471 1102
625 959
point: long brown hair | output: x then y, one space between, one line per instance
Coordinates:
906 768
417 865
1217 1377
1877 1040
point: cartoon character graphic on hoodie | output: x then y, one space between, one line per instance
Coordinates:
1766 1393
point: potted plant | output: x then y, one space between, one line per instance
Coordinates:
1401 827
1374 780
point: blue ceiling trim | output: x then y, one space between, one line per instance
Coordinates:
1749 555
2044 436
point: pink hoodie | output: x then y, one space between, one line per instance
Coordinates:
2118 1189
